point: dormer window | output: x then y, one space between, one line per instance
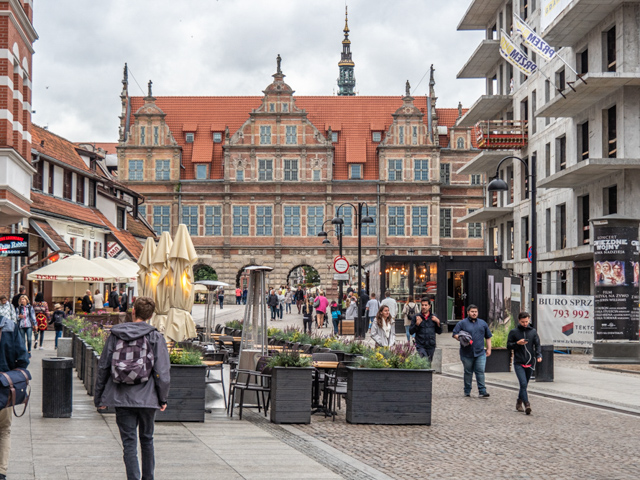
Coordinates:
142 136
156 134
401 135
189 137
285 107
217 137
461 143
376 136
334 137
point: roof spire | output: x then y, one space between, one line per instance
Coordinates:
125 75
346 80
432 82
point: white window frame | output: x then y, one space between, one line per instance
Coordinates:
190 214
393 171
213 220
265 170
199 167
291 219
163 170
315 218
370 229
265 134
421 169
420 221
160 213
138 171
290 170
240 221
396 216
291 134
264 220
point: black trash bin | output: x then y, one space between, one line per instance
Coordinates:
544 369
57 387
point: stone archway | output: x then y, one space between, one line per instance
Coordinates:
202 271
242 277
305 275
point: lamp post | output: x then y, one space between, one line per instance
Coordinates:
338 232
499 185
359 330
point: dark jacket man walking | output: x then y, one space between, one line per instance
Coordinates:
472 354
525 343
425 326
133 377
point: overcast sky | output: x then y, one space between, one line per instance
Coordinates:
228 47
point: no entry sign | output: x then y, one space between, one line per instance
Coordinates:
340 264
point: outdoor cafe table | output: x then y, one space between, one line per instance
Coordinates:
316 405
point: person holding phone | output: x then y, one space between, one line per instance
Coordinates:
525 343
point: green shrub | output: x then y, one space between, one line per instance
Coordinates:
235 324
289 359
500 334
185 357
400 356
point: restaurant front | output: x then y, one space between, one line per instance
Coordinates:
451 282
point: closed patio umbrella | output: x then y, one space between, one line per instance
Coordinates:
147 279
160 265
180 324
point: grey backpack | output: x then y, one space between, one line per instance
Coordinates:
132 361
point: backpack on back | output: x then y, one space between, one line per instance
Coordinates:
132 361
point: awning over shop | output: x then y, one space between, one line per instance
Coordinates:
51 237
73 269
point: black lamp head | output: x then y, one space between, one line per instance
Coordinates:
497 185
337 221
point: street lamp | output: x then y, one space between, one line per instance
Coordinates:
359 330
499 185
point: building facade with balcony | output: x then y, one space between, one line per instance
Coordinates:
583 132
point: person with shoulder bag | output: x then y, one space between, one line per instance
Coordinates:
14 381
133 376
410 310
41 309
26 320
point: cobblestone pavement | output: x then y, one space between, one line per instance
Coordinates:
487 439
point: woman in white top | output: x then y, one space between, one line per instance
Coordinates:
98 301
382 329
352 310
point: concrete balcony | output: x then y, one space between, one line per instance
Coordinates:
486 162
15 187
577 20
598 86
588 171
480 14
569 254
486 214
487 107
482 60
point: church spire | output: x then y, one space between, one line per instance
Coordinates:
347 80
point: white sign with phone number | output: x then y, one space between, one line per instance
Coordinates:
565 320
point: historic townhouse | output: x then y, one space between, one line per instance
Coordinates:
582 134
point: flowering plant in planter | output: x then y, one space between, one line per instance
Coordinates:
400 356
234 324
289 359
185 357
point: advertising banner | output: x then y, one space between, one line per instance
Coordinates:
504 298
551 9
516 57
615 259
14 245
565 320
532 39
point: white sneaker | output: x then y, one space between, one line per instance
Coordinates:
41 348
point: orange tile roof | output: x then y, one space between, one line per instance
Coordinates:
138 229
352 117
57 239
54 146
202 145
66 209
108 147
132 246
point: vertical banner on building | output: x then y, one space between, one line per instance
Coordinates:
532 39
615 257
504 298
565 320
516 57
550 10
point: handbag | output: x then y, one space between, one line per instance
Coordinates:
15 388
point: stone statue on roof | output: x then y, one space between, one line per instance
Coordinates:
149 87
407 89
278 61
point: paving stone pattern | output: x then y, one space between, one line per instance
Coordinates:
477 438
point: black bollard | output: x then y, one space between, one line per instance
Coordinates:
544 369
57 387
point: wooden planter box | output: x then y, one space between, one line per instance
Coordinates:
347 327
88 378
499 360
96 360
186 395
386 396
79 357
291 395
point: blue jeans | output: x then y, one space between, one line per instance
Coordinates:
474 365
280 311
221 301
406 328
27 332
371 320
58 335
523 374
336 322
274 313
134 422
288 307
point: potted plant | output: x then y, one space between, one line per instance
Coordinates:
291 378
232 325
354 349
390 387
187 388
500 358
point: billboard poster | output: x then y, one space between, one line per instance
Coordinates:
565 320
615 259
504 298
550 10
14 245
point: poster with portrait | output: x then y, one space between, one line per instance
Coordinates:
504 298
616 281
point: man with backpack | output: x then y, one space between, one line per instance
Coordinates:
410 310
133 376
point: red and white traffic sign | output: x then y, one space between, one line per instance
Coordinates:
340 264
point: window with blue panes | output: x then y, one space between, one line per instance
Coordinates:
202 172
421 169
395 170
420 221
291 134
142 211
265 135
240 221
315 218
239 175
445 222
290 170
135 169
475 228
142 135
190 218
161 219
264 221
291 221
369 229
213 220
396 221
163 169
401 135
346 213
265 170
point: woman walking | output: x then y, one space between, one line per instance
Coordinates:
6 309
41 310
26 320
98 302
307 315
382 331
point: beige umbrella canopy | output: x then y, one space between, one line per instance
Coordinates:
160 263
180 324
147 279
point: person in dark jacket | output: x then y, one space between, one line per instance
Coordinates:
15 301
307 315
136 404
57 317
525 343
274 303
13 354
114 301
87 302
299 298
425 326
124 300
473 355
